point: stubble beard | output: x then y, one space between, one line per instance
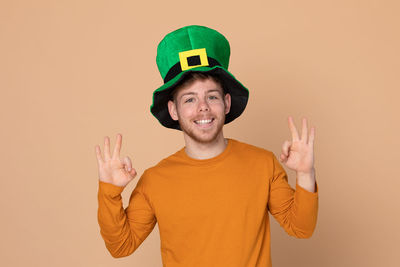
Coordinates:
196 134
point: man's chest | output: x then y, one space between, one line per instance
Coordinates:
192 197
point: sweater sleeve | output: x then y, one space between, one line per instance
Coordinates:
123 230
295 210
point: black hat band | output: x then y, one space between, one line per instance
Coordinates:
192 61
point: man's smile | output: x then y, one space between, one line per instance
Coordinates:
204 121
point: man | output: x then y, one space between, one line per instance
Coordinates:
211 198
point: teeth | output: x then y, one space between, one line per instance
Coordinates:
203 121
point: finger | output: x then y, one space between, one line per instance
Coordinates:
283 158
304 131
117 148
311 137
285 148
107 148
293 130
127 163
133 173
98 154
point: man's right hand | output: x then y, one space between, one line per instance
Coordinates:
113 170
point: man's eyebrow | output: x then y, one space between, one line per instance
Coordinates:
214 90
193 93
188 93
208 91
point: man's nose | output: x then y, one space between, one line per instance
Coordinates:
203 105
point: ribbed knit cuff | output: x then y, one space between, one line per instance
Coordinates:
307 194
110 189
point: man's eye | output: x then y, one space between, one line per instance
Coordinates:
213 97
189 100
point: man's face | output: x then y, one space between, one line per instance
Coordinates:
200 109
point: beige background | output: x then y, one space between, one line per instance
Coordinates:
72 72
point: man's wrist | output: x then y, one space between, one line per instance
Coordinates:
306 180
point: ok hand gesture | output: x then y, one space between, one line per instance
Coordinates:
113 170
298 154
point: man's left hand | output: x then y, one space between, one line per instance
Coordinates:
298 154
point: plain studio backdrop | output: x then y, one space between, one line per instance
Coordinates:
72 72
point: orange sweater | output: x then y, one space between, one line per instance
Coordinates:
211 212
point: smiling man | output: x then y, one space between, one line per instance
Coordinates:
212 198
199 105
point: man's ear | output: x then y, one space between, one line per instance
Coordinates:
227 99
172 110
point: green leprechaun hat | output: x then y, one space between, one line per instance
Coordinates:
195 49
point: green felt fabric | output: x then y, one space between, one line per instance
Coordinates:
188 38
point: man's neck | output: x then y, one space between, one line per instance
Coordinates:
209 150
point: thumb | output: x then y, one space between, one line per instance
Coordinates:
128 167
133 173
127 163
285 148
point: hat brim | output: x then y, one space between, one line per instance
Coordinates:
161 96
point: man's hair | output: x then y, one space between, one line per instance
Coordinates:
191 77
